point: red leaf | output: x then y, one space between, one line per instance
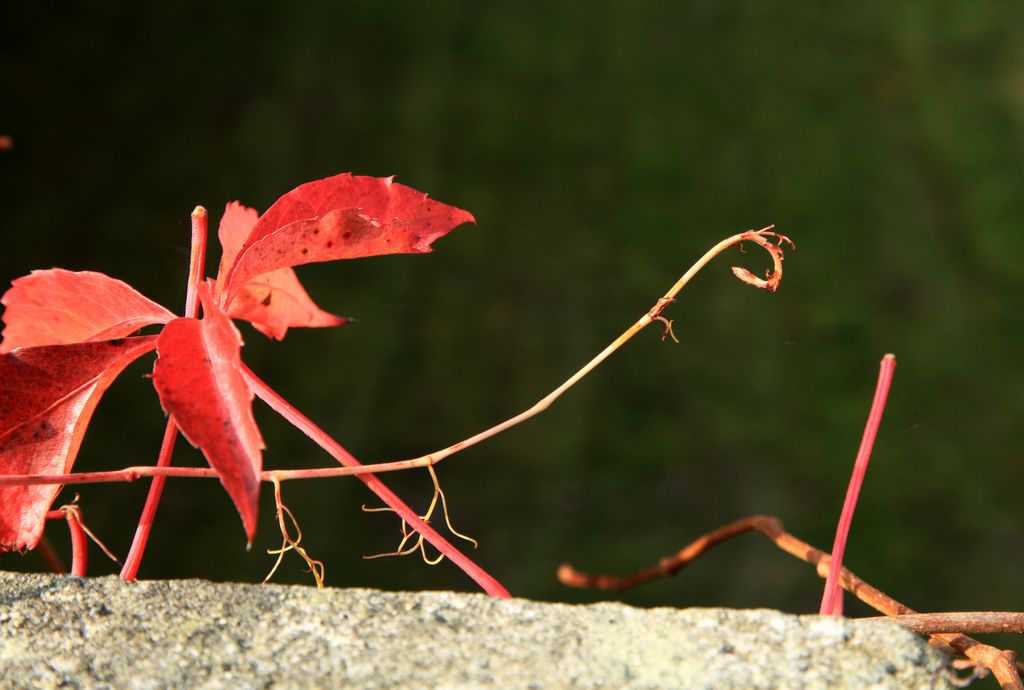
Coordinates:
198 377
273 302
57 306
47 396
235 226
342 217
276 301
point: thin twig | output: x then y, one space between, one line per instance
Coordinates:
1002 663
196 269
72 514
761 237
967 622
134 558
79 544
832 596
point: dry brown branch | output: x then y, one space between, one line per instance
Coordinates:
1002 663
973 622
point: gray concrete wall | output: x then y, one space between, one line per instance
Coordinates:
102 633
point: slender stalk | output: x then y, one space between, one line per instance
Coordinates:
137 472
79 543
966 622
131 474
322 439
128 474
197 261
832 597
761 237
196 268
130 569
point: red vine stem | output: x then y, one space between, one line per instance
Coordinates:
197 261
196 267
79 543
832 597
133 560
135 473
322 439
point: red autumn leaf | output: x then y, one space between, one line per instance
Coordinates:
273 302
235 226
47 396
59 322
198 377
276 301
342 217
57 306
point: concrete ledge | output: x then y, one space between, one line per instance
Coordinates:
102 633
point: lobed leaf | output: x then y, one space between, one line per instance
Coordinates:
198 378
341 217
275 301
57 307
235 227
47 397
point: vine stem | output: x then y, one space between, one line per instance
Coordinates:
761 237
130 474
197 261
79 544
137 472
966 622
130 569
832 596
196 266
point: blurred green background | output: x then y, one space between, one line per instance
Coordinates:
602 147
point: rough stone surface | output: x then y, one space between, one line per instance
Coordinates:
102 633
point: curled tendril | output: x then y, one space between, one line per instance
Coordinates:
290 543
770 282
420 543
774 275
668 329
72 511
